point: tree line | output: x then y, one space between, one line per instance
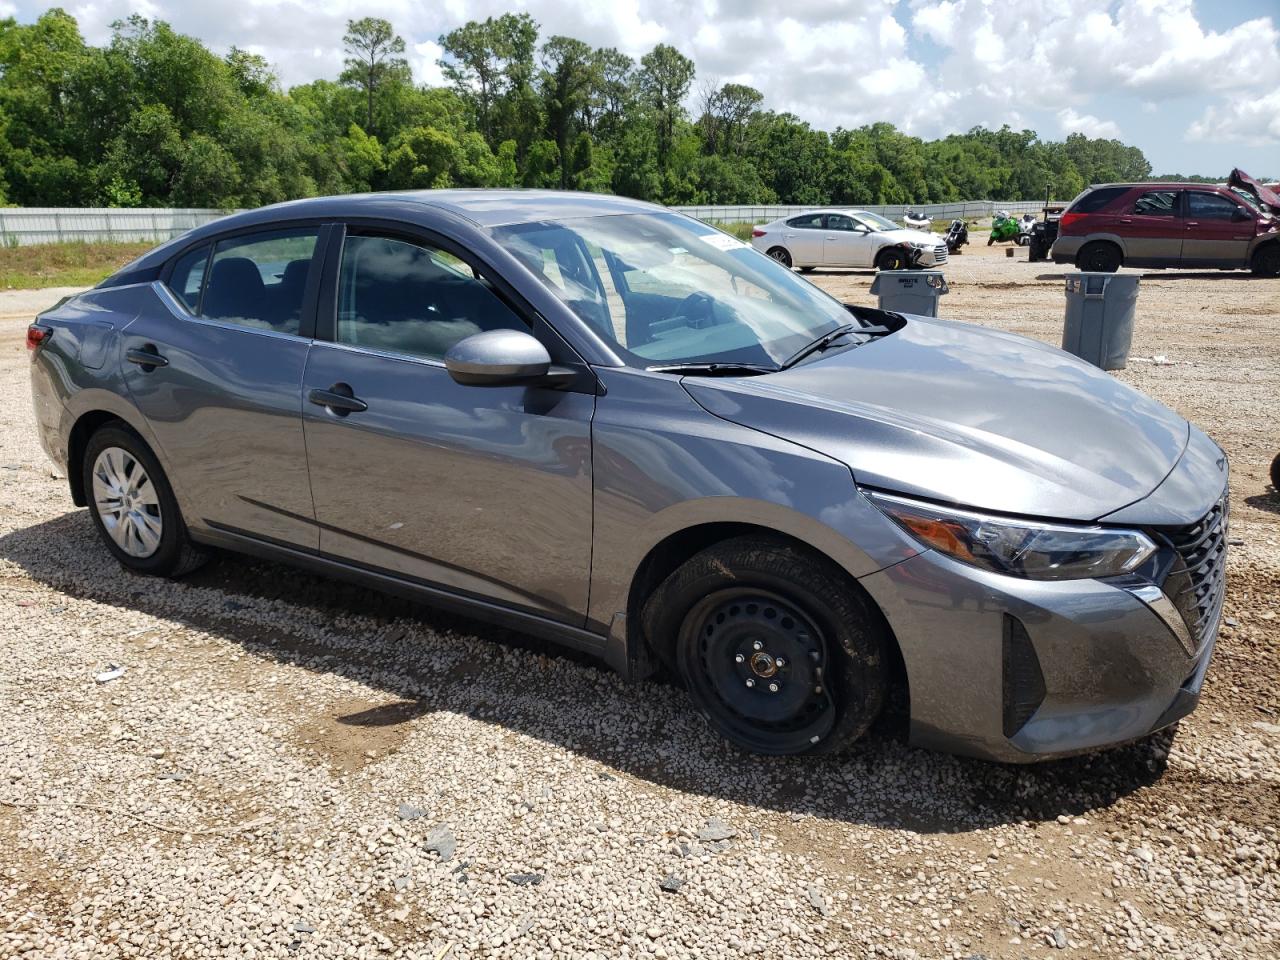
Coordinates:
154 118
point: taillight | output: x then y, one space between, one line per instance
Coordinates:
37 335
757 233
1067 219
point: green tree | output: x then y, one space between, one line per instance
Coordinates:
664 80
375 58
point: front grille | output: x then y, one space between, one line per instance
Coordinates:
940 254
1198 579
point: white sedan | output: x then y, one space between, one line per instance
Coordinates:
847 238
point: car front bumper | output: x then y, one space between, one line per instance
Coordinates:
1019 670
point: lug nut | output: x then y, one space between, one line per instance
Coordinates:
757 645
773 688
750 682
739 658
779 663
817 689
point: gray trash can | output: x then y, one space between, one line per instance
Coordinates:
1099 321
910 291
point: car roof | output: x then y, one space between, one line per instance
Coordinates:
807 213
1161 185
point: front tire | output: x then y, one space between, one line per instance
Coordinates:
891 259
779 650
1266 261
133 506
1099 257
781 255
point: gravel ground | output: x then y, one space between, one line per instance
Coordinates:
292 767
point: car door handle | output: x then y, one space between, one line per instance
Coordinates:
1125 220
148 358
1191 224
339 399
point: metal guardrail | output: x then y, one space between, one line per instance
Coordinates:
25 225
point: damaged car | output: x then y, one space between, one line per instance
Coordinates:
847 238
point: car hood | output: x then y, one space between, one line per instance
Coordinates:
1265 195
909 236
966 415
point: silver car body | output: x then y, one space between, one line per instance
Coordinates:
552 510
840 237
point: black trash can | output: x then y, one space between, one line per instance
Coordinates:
910 291
1099 318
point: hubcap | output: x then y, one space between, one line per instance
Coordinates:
126 502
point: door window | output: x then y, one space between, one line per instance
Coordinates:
1157 203
838 221
1210 206
810 221
186 280
259 280
413 298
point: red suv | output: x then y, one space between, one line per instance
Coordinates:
1172 225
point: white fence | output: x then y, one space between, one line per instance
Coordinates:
964 209
23 225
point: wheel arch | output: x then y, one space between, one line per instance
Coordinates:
667 555
85 426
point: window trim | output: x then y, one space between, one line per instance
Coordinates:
822 219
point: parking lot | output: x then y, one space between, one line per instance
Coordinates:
294 767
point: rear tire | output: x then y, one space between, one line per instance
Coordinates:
1275 474
133 506
1099 256
1266 261
781 255
779 650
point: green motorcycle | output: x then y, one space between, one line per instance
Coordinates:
1003 227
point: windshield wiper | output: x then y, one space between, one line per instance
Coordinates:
815 345
713 369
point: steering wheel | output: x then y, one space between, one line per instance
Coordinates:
698 309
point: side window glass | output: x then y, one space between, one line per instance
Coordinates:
810 221
839 222
186 281
259 280
412 298
1157 203
1210 206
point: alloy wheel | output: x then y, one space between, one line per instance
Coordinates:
127 502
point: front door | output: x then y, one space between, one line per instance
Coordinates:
215 369
1151 229
842 243
1212 235
484 491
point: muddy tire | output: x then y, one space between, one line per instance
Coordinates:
779 650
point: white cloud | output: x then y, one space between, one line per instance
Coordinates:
1071 122
1251 120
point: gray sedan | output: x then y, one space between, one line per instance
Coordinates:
596 420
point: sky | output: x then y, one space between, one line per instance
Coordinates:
1195 85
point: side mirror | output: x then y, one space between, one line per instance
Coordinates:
499 358
1241 214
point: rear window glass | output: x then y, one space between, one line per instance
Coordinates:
1095 200
187 278
259 280
810 221
1157 203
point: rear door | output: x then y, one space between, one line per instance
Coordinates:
1212 234
216 368
484 491
804 239
1151 227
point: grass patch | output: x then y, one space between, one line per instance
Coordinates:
63 264
740 230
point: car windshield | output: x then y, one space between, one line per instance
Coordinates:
1250 200
666 289
875 221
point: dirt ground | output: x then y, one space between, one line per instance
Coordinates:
272 773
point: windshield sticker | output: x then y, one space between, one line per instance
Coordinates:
722 241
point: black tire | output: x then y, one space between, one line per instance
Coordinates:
891 258
176 554
1266 262
817 678
806 269
1100 256
1275 474
990 239
781 255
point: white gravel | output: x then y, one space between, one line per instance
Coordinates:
283 764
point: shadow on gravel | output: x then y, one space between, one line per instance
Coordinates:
426 661
1269 502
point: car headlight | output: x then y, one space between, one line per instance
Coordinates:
921 245
1019 548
